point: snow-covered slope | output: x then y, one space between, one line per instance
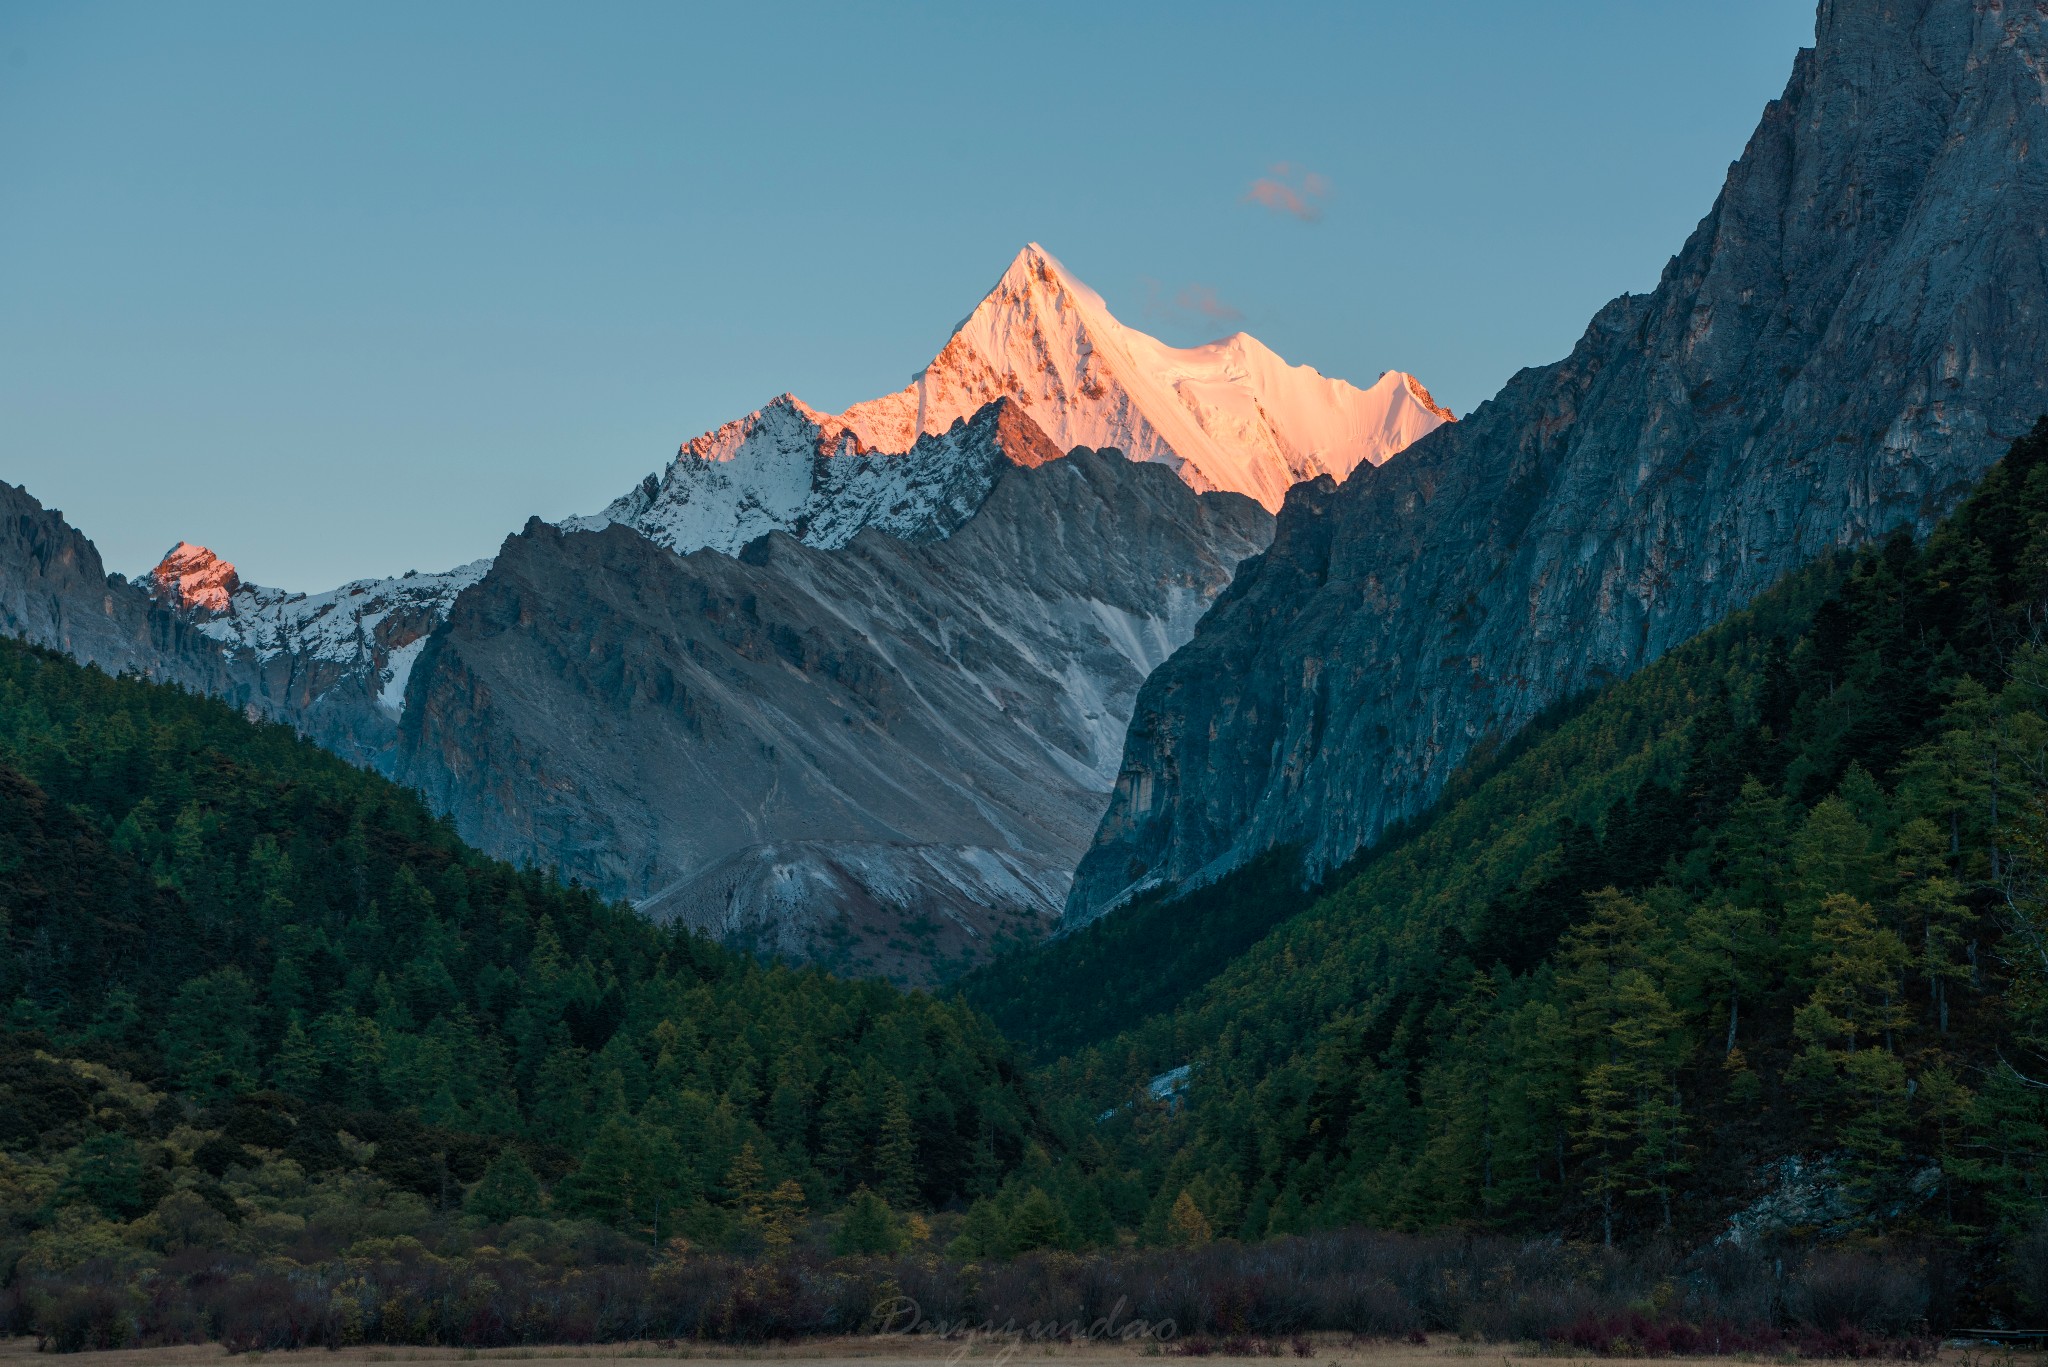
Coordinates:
789 468
372 626
888 680
1230 415
333 664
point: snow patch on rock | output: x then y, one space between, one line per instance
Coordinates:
347 625
397 671
789 468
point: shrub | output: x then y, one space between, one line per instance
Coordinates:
1879 1296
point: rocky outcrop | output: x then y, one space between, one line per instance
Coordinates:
886 755
333 665
1856 330
55 592
788 468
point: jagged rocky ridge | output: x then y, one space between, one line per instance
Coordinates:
1228 416
1851 336
56 592
333 664
886 755
789 468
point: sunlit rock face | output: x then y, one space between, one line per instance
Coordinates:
1856 330
1230 416
194 579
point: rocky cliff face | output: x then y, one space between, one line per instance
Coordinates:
885 755
1856 330
333 665
55 592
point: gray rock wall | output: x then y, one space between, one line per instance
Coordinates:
1856 330
886 756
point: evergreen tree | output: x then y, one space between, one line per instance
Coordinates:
843 1132
1625 1121
867 1227
209 1038
1186 1226
896 1149
1036 1223
782 1218
105 1172
745 1182
507 1190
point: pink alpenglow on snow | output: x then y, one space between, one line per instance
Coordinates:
1228 415
193 577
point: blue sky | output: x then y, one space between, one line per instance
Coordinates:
345 290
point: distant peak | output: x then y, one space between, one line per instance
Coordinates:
193 577
785 413
1022 441
1035 272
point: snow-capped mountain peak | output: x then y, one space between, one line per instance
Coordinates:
787 467
1230 414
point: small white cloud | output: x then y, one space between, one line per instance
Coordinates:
1290 189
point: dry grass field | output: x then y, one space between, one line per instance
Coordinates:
895 1351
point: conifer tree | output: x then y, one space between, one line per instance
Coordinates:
209 1037
1932 910
782 1217
1036 1222
296 1068
896 1149
507 1190
843 1131
867 1227
1186 1226
1625 1123
1724 956
744 1181
1849 1070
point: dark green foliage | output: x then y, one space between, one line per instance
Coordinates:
1784 892
106 1174
318 970
1147 958
507 1190
867 1228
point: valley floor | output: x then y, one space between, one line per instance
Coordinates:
1334 1350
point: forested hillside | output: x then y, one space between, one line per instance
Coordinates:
1768 920
1782 895
226 951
